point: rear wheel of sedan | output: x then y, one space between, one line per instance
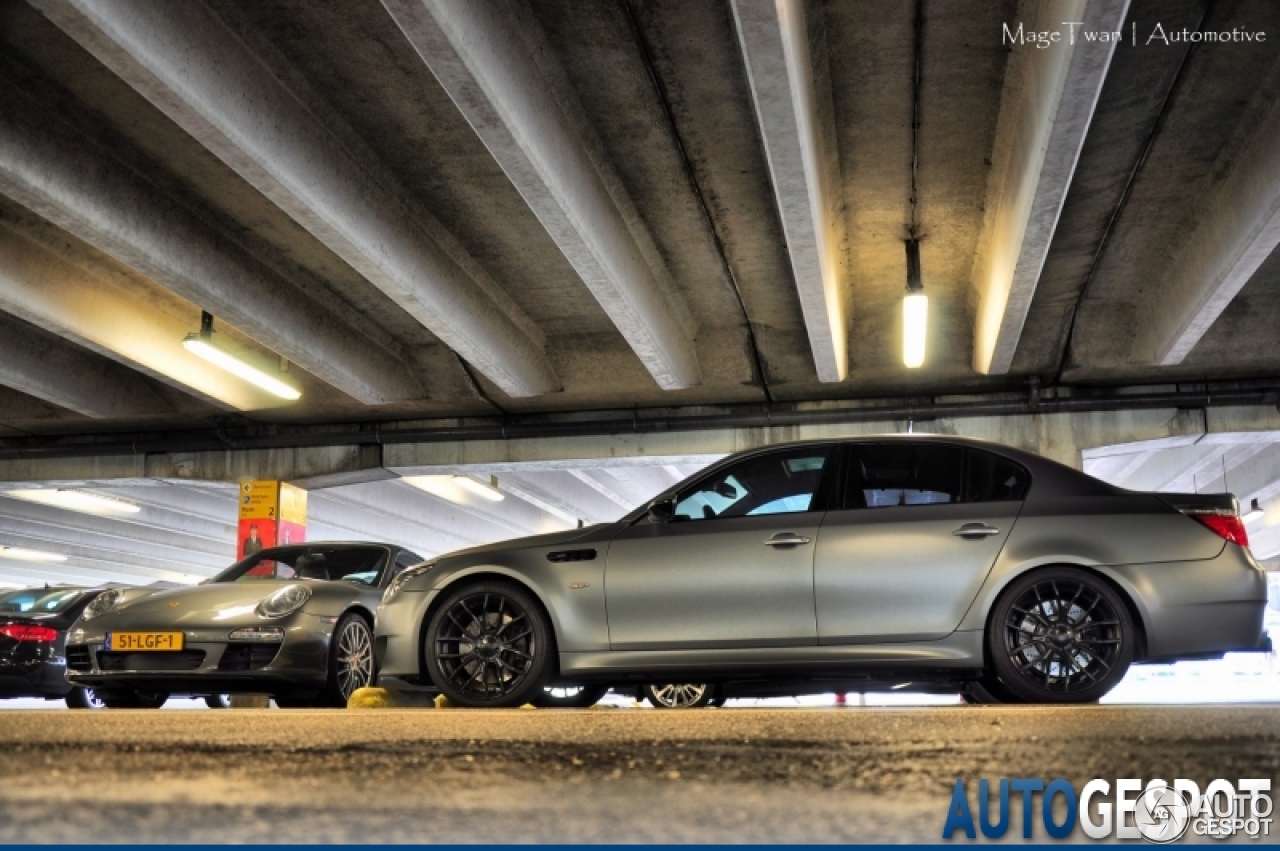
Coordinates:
1061 635
570 697
489 644
679 695
350 661
217 701
83 698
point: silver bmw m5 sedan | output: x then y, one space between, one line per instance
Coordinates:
920 562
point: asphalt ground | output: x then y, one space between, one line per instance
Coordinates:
598 775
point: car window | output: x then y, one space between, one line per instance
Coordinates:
882 475
404 561
356 565
39 600
990 478
775 483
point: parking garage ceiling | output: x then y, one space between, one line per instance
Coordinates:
418 213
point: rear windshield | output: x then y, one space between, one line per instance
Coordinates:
39 601
357 565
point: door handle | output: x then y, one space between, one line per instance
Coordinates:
976 530
786 539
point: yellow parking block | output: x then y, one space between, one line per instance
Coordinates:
385 698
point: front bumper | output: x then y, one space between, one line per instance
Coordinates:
210 663
397 636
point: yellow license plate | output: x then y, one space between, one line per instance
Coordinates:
144 641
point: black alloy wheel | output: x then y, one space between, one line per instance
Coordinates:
489 644
679 695
570 697
1061 635
350 662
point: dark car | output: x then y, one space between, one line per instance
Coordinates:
33 636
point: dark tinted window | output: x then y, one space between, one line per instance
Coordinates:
776 483
40 600
888 474
404 561
991 478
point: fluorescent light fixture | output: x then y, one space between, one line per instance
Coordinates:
485 490
19 554
75 500
915 327
204 348
441 486
1255 511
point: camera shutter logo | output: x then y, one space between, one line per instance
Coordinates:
1162 815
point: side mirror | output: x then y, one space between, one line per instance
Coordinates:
662 510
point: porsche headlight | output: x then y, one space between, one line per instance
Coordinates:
400 581
101 604
284 601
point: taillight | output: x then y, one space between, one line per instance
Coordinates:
1229 527
26 632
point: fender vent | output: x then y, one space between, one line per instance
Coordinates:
571 555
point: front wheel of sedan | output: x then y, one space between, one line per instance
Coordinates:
679 695
489 645
350 661
1061 635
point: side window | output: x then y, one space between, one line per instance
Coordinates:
889 474
990 478
776 483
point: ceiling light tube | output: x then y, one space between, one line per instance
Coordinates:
915 311
77 500
484 490
442 486
201 345
19 554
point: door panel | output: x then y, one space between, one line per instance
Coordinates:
899 573
712 583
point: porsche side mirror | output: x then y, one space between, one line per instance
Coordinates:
662 510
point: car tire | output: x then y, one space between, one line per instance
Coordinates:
488 644
83 698
570 697
679 695
133 699
1060 635
350 661
217 701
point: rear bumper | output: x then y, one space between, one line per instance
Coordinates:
1195 609
43 679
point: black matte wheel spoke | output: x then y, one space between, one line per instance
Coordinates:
474 652
1069 652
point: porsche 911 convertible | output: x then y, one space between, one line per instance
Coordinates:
295 622
901 562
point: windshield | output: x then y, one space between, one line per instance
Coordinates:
39 600
358 565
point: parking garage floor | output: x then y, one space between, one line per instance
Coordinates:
600 775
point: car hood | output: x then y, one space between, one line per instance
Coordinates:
588 534
208 604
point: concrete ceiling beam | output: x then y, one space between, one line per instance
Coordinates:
191 66
1045 112
140 327
48 368
494 61
1238 230
791 88
73 182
